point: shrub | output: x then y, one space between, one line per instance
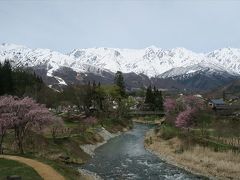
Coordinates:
169 132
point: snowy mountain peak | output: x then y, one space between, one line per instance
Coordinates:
8 46
151 61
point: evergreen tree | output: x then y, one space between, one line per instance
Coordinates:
100 96
148 95
88 98
94 85
27 83
149 99
94 96
154 99
6 78
155 90
158 100
119 81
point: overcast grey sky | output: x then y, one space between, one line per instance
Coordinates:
62 25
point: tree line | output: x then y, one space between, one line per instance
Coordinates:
23 83
90 96
154 99
19 82
103 101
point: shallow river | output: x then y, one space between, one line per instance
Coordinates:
124 157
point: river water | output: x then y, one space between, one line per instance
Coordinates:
124 157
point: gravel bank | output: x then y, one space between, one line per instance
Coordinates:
88 175
90 148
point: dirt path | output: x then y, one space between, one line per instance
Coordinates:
44 170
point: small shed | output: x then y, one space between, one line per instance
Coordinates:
217 104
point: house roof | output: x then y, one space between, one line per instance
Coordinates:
217 101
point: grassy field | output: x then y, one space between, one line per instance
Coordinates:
210 147
10 167
198 159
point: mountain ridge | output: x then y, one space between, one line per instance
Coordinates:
177 63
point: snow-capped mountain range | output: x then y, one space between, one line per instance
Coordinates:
152 61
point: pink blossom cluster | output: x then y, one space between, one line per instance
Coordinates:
184 118
17 112
7 117
22 115
185 107
169 104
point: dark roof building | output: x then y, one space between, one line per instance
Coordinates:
217 103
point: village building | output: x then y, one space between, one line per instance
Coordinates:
217 104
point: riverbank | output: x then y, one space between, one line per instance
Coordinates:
198 160
106 135
90 148
88 175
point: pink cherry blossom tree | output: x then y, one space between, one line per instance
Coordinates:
184 118
181 111
190 105
169 105
25 115
6 118
6 122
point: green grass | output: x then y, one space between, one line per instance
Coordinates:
68 171
71 124
69 147
216 146
169 131
10 167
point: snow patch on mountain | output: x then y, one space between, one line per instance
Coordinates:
207 68
229 58
151 61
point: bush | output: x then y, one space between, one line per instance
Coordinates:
148 141
169 132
